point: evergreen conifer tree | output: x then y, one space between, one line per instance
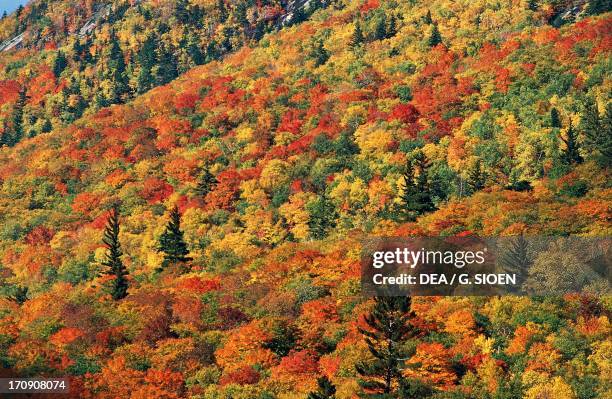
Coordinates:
597 131
516 259
14 132
167 65
206 183
392 27
59 64
357 38
380 29
435 37
116 69
112 261
222 10
325 390
319 53
171 242
322 217
388 329
555 118
416 191
476 178
570 153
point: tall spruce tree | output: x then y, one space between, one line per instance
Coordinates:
325 390
571 154
357 38
476 178
167 66
597 131
555 118
112 260
171 242
388 330
416 198
392 27
319 54
14 132
516 259
116 69
59 63
380 29
322 217
206 182
435 37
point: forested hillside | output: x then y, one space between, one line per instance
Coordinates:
202 236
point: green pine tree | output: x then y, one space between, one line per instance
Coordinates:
194 50
428 19
115 70
597 131
571 154
322 217
181 11
206 183
172 243
388 330
112 261
598 7
325 390
416 198
392 27
59 64
380 29
476 178
555 118
435 37
20 294
14 132
319 54
357 38
516 259
221 10
167 65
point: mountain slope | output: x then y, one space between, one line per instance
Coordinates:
307 135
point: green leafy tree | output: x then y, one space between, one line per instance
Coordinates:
171 242
112 260
388 330
412 388
325 390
